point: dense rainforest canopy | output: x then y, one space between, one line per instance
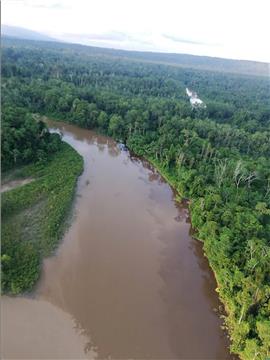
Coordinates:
24 140
217 156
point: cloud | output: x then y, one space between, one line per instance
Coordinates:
187 41
55 5
196 27
109 38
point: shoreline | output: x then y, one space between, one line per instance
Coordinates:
35 217
223 314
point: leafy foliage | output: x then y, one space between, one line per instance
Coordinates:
33 216
25 140
217 156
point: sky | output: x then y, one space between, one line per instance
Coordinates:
237 29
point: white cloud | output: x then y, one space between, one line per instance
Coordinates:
224 28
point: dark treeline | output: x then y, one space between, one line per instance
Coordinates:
178 60
217 156
25 140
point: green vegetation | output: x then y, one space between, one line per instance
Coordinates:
25 140
177 60
217 156
33 216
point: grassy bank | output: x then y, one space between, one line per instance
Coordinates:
34 216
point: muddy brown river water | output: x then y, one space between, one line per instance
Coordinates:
128 281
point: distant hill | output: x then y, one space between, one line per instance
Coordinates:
203 62
22 33
181 60
185 60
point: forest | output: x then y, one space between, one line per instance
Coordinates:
34 215
217 156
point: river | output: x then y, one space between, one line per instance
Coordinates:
128 281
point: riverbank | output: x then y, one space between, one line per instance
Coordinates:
224 314
179 196
34 217
172 181
130 247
